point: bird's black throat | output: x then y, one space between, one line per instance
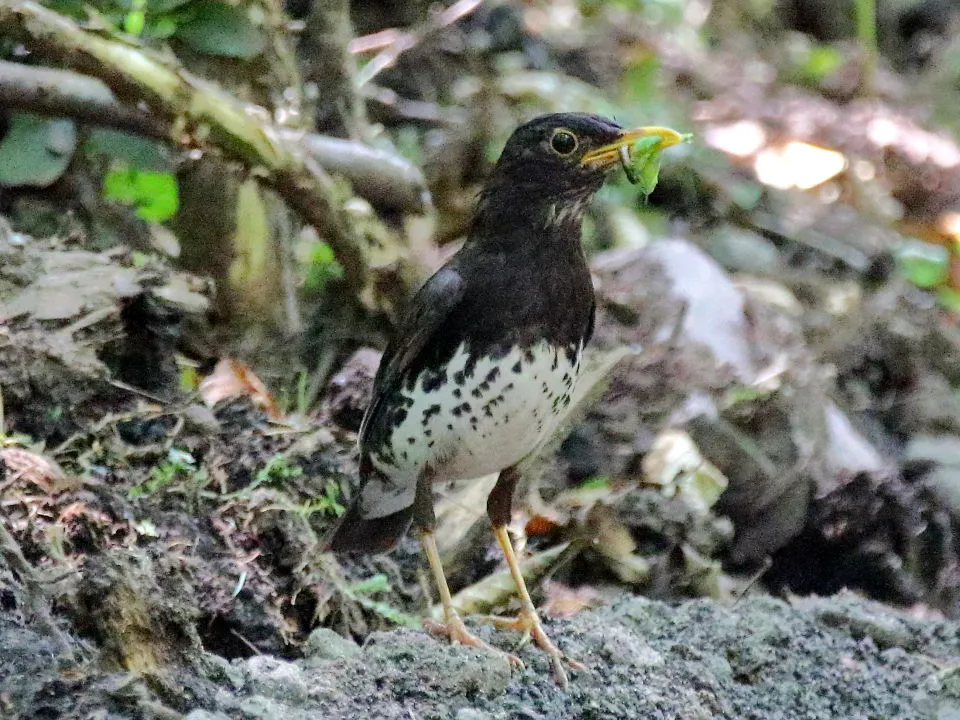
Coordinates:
526 273
531 218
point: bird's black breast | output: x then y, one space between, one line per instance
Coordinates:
510 301
511 298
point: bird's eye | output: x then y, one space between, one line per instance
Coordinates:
563 142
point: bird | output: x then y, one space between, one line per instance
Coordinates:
485 361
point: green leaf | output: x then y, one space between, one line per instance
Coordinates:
322 267
35 151
161 28
596 482
820 62
924 264
374 584
134 22
159 7
218 29
70 8
139 152
154 194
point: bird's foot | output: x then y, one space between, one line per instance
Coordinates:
528 623
455 629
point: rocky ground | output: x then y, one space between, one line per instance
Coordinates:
762 659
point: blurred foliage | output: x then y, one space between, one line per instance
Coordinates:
153 194
924 264
138 152
251 270
322 267
206 26
35 150
866 16
810 63
928 266
214 28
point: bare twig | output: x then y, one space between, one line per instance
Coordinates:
384 178
396 42
387 106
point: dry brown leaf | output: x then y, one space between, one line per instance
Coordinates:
30 467
81 510
231 379
542 523
563 601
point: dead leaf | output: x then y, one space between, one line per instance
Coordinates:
231 379
615 545
36 469
543 523
563 601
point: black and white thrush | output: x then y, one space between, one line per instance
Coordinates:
485 362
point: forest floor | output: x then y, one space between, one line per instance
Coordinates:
172 570
754 512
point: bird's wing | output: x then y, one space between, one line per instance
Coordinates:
430 308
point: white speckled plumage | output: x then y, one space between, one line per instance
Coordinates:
463 430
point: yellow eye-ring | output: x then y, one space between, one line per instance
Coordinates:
563 142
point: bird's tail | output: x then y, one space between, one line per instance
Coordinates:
371 535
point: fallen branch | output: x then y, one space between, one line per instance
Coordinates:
189 112
62 93
383 178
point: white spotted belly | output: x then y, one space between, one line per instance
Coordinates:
480 422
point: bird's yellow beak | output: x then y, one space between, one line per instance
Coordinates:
609 155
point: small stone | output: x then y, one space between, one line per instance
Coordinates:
938 696
325 644
276 679
350 389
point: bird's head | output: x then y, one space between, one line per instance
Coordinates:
558 161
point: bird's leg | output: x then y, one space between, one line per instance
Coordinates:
452 626
527 621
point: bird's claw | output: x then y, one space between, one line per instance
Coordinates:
456 631
528 624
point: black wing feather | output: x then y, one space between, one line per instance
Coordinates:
431 306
